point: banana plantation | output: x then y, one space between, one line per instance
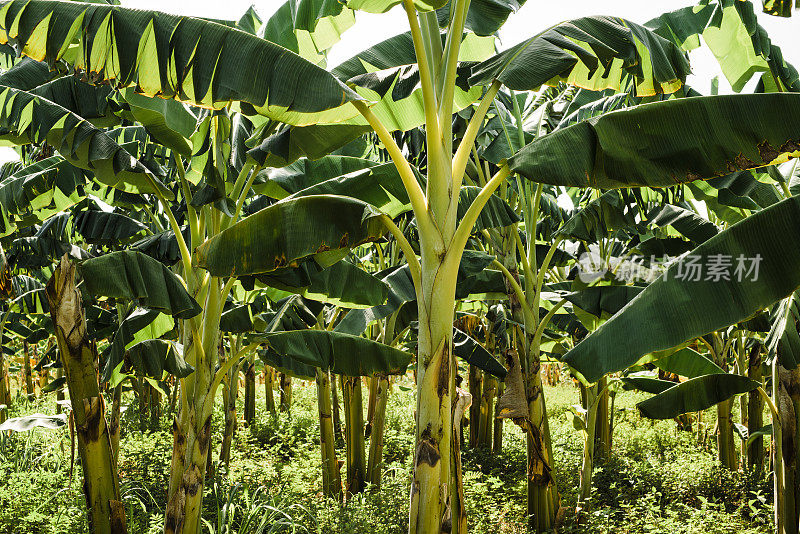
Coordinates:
446 285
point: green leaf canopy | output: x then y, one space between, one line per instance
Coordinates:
323 226
26 118
343 354
193 60
695 395
667 143
672 310
135 276
595 53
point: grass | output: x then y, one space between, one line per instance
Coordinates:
657 479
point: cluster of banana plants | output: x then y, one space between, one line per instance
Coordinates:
196 199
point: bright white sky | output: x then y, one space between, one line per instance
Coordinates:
534 17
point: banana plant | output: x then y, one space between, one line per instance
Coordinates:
291 105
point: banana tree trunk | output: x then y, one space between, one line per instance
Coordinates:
486 424
331 479
461 403
192 428
726 447
431 490
755 413
497 435
60 397
113 426
585 489
155 408
372 399
476 391
230 391
602 433
375 460
27 370
337 416
5 386
269 396
354 421
788 403
286 392
106 512
250 391
542 493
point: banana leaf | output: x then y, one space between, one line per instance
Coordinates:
322 226
594 53
695 395
189 59
134 276
676 141
764 258
341 353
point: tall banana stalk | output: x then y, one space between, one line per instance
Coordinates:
433 497
331 479
106 511
200 336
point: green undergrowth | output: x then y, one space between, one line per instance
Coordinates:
657 479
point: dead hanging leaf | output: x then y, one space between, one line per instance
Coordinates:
512 403
468 323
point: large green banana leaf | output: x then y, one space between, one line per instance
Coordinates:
26 118
161 246
610 212
731 31
648 384
102 227
287 364
602 300
472 352
783 340
140 325
281 182
342 284
193 60
695 395
307 27
30 293
238 319
313 142
341 353
675 141
134 276
592 52
671 310
689 363
378 185
686 222
32 187
280 235
168 121
27 74
150 358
